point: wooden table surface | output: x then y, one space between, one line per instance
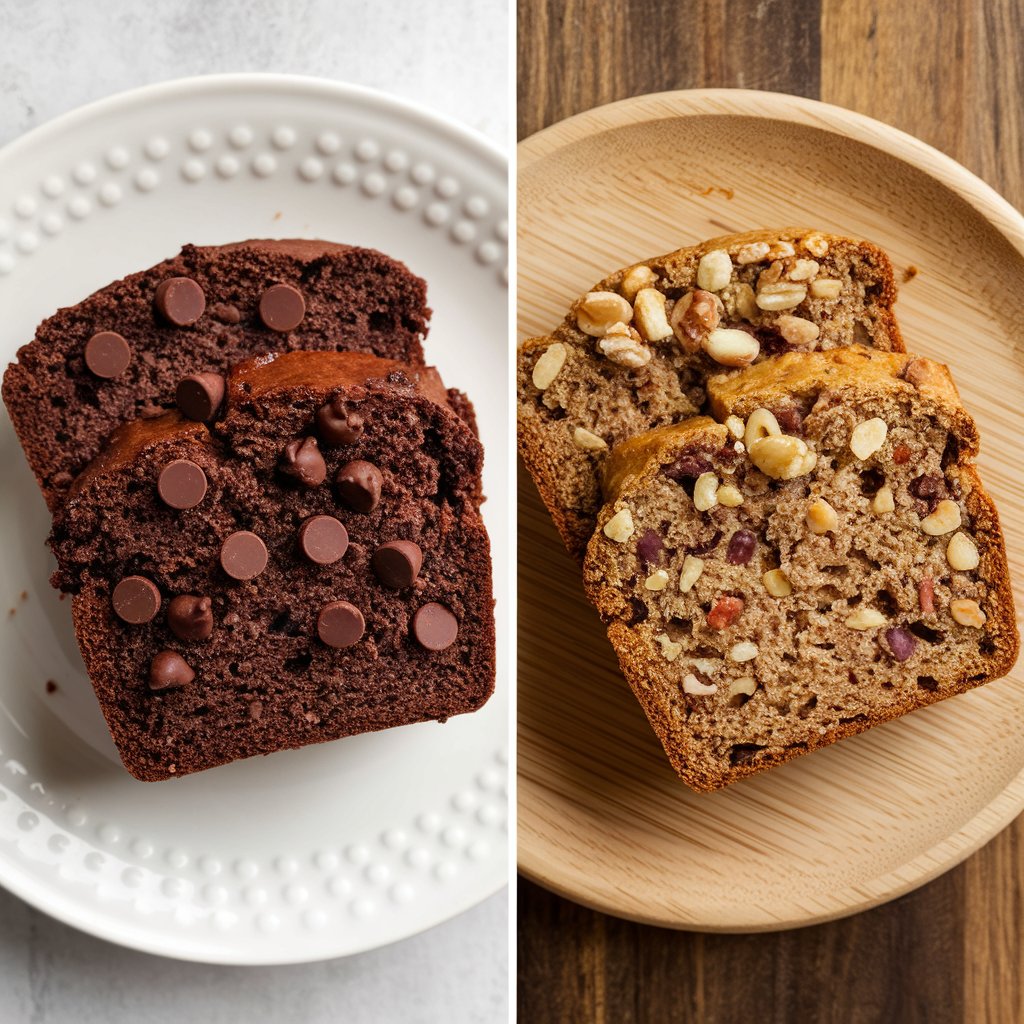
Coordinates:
952 74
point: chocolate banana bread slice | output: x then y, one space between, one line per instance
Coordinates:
634 353
822 560
310 566
121 353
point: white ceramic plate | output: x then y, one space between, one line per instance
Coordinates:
305 854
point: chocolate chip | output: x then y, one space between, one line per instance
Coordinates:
190 617
169 669
435 627
340 624
900 642
338 424
243 555
303 463
136 600
180 301
182 484
359 485
397 563
282 307
107 354
323 539
741 547
199 396
225 313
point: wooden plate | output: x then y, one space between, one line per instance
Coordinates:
602 818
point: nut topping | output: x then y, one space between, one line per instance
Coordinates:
760 423
781 250
622 346
744 301
735 427
705 492
658 580
781 458
868 437
962 553
693 315
776 582
598 311
795 330
649 315
692 685
753 252
826 288
821 517
883 501
815 243
636 278
549 365
731 347
714 271
747 685
865 618
692 568
967 613
803 270
729 496
669 648
944 519
743 651
620 527
781 295
588 441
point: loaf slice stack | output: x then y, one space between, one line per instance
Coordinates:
634 353
818 558
311 565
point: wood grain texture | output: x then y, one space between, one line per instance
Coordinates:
953 950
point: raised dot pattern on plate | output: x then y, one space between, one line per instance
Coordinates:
377 169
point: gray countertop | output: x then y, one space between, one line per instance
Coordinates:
452 57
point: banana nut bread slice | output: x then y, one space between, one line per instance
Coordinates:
635 351
821 561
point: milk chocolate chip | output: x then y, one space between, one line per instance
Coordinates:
340 624
323 539
303 463
338 424
397 563
180 301
182 484
359 485
190 617
107 354
435 627
243 555
169 669
136 600
282 307
199 396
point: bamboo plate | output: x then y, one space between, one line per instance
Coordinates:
602 818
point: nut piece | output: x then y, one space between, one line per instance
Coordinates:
743 651
714 271
826 288
658 580
669 648
962 553
803 270
821 517
795 330
883 501
705 492
729 496
926 595
745 684
752 252
649 315
967 613
691 684
944 519
780 295
745 301
781 458
865 618
760 423
636 278
693 315
731 347
780 250
692 568
706 665
549 365
735 427
622 346
776 582
815 243
620 527
588 441
868 437
597 311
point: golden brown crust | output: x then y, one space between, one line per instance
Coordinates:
567 478
853 375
